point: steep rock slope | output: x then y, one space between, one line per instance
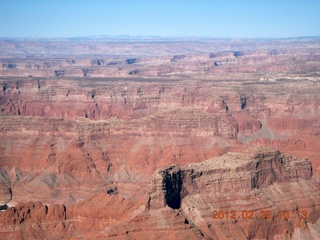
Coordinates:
263 194
230 196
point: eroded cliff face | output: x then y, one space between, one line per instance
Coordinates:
182 200
86 126
242 182
217 116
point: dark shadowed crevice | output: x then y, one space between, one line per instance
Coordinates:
172 184
237 54
3 207
243 101
131 61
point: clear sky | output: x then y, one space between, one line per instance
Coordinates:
214 18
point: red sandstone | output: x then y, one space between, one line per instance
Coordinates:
88 139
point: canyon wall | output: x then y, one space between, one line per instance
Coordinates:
90 131
238 183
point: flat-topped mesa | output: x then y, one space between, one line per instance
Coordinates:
222 175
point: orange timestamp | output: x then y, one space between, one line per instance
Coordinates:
262 214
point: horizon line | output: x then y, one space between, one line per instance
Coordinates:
151 37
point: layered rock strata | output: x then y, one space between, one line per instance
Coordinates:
248 182
84 125
182 200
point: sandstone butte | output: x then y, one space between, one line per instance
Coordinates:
116 139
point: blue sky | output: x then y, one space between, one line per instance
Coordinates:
214 18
